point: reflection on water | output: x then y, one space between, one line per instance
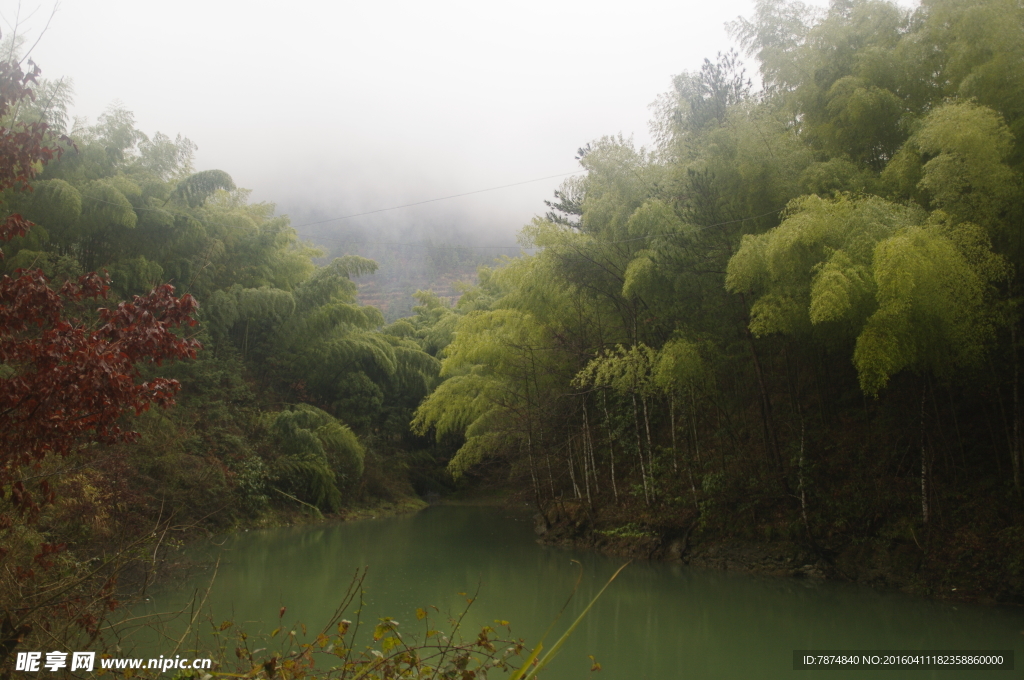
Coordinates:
657 621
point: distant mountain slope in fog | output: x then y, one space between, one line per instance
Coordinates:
440 257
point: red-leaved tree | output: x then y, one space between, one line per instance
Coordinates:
64 383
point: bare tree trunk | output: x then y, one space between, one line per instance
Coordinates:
941 436
572 472
589 446
551 477
611 445
803 495
529 448
672 426
689 463
956 426
586 469
640 451
650 449
924 461
533 471
1015 453
1007 430
693 422
767 422
529 405
693 487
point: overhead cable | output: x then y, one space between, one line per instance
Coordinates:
434 200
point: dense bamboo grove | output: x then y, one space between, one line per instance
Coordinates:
798 316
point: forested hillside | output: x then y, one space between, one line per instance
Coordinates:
439 255
797 318
276 329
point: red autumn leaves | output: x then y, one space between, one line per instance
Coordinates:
65 382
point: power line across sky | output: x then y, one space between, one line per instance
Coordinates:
434 200
346 241
607 243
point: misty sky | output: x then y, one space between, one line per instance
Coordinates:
335 108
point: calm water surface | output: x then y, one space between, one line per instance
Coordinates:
657 621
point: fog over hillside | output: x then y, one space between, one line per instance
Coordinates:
347 108
435 247
335 110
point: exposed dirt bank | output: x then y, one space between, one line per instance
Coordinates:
885 565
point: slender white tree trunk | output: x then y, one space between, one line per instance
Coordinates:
611 446
589 446
640 451
572 472
650 448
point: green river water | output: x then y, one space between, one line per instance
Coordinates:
657 621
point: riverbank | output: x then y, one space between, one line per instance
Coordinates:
173 567
883 564
285 517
